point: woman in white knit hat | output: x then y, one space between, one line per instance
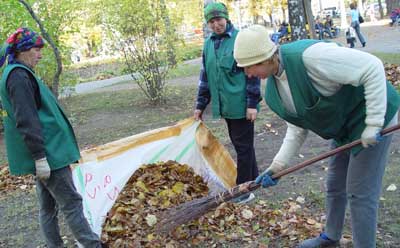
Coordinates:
338 93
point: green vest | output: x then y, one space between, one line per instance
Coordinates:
340 117
227 87
59 139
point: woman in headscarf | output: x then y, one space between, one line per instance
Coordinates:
40 140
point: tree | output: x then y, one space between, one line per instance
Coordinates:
54 18
391 5
343 19
309 18
145 42
297 20
380 9
47 37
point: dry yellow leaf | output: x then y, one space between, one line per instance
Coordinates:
247 214
151 220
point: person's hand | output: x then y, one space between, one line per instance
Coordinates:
42 169
370 136
265 179
251 114
198 115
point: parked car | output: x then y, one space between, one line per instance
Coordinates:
332 11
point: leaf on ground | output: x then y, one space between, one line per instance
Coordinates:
392 187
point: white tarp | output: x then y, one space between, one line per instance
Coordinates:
104 170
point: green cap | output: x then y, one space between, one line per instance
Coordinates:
213 10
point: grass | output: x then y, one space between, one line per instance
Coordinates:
102 117
389 212
392 58
184 70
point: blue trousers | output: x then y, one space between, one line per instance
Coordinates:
356 180
58 192
356 26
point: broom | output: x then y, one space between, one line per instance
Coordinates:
191 210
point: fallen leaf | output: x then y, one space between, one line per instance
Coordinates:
151 220
300 200
247 214
311 221
392 187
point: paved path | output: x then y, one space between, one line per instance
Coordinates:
379 35
115 83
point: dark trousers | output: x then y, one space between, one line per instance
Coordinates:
241 133
59 193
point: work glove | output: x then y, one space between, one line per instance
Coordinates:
42 169
370 136
265 177
251 114
198 114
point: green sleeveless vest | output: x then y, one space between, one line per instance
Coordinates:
340 117
227 88
59 138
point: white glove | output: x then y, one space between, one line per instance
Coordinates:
42 169
275 167
251 114
370 136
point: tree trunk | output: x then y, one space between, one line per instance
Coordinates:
271 20
309 18
360 7
391 5
170 31
284 13
297 20
46 36
380 9
343 19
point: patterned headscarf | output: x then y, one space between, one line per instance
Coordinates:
21 40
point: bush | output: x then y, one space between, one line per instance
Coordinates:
189 51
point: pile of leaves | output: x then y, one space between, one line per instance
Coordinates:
9 183
151 189
154 188
393 74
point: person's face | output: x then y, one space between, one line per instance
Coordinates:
31 57
217 25
261 70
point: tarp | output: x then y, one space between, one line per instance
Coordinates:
104 170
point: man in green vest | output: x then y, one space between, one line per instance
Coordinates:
233 96
39 139
340 94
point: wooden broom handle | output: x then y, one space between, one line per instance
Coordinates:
337 150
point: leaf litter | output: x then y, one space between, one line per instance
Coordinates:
156 187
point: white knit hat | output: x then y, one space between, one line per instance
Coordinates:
253 45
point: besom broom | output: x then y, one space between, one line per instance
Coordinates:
191 210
